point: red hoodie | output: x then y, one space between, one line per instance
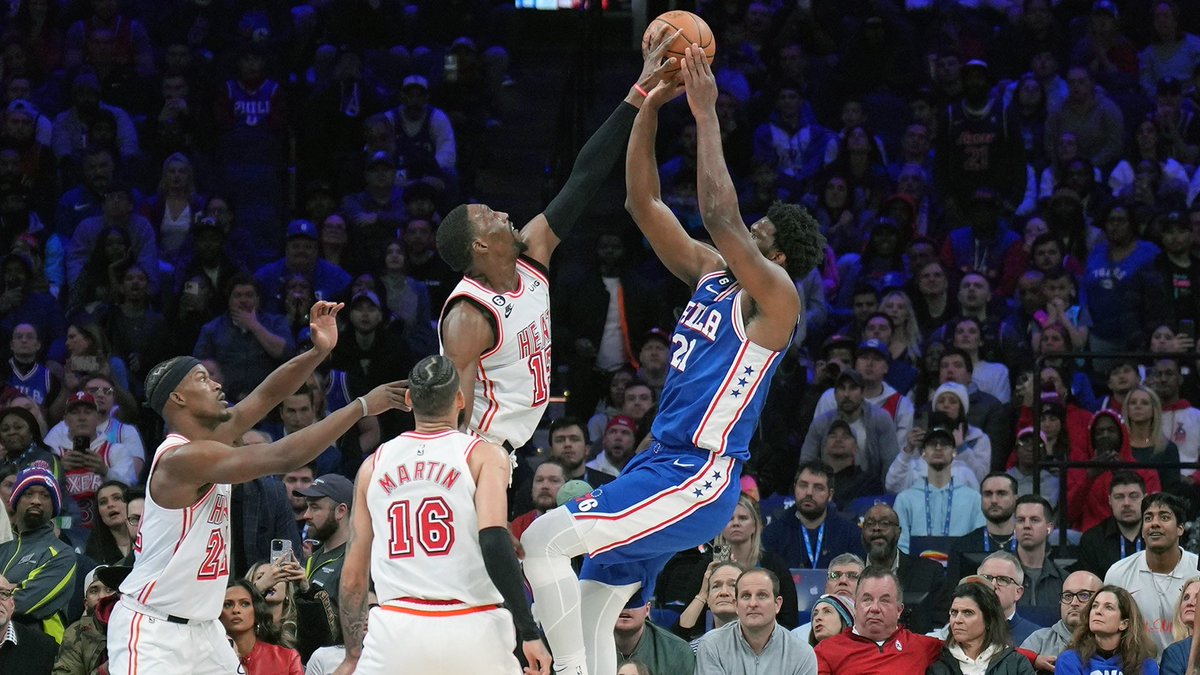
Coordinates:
1087 498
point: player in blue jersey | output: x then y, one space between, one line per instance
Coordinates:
681 491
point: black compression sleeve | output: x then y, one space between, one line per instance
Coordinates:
501 563
592 166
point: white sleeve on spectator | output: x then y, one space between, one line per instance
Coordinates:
445 150
1029 201
903 472
826 403
120 463
58 438
904 421
1121 176
979 457
127 138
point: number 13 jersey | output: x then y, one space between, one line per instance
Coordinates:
421 498
512 383
718 378
181 562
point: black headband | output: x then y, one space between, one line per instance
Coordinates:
163 379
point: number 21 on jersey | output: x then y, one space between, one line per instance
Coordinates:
681 350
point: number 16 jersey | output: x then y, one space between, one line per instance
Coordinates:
421 498
718 379
512 383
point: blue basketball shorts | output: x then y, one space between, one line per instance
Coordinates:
665 500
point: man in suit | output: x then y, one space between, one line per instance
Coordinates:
23 649
920 577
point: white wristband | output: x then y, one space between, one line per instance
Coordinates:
363 402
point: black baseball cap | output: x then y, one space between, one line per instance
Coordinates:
333 485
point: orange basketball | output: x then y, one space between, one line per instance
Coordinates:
695 31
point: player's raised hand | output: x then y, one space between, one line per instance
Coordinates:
662 92
699 82
322 323
386 397
538 657
654 68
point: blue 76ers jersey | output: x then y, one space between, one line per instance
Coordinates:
718 379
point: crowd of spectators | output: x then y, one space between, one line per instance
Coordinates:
1002 184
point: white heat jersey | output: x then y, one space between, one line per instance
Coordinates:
182 555
512 384
421 498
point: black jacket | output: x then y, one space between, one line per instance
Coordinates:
1007 662
1100 547
920 576
32 655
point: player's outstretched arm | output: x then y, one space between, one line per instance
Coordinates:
766 281
492 471
687 258
184 470
356 574
466 335
289 377
595 161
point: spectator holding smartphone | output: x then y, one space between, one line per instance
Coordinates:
88 461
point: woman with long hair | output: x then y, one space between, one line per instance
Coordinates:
933 302
109 541
85 338
1147 144
174 207
304 614
21 439
836 214
1111 639
407 301
1175 656
742 538
247 622
990 377
979 639
1143 412
906 336
97 284
280 596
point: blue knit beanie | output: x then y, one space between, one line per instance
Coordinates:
31 477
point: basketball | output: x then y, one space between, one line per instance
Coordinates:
695 31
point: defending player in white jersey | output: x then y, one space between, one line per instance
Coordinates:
429 528
682 490
167 618
496 323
